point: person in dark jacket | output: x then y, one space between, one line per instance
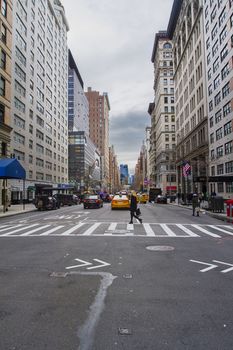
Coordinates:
133 208
195 204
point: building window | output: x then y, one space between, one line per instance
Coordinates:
220 169
227 128
3 60
219 151
225 71
3 33
228 147
224 52
226 90
226 109
2 86
4 8
220 187
217 99
2 113
218 134
218 116
229 167
229 187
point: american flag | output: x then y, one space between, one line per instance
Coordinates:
186 169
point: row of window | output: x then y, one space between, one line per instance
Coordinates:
222 131
225 149
220 168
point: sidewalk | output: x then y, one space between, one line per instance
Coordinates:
219 216
17 209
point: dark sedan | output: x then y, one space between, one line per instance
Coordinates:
161 199
92 201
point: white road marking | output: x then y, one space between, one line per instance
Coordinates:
206 232
102 263
226 270
72 229
130 227
18 230
84 263
91 229
34 230
230 227
51 231
211 266
168 231
149 231
9 228
221 230
186 230
112 226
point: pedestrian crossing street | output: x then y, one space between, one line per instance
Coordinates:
116 229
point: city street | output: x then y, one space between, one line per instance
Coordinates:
87 279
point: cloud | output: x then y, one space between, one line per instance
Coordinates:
112 43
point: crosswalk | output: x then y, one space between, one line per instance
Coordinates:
116 229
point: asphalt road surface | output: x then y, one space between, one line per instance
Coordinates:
75 279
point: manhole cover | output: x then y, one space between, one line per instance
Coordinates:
160 248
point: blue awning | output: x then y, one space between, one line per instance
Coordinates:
10 168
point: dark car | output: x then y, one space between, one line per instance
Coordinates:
92 201
161 199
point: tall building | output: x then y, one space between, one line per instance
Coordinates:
163 124
152 150
114 174
124 174
39 96
186 29
84 161
218 21
5 77
99 108
5 86
148 146
78 107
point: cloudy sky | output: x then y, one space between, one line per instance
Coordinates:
112 42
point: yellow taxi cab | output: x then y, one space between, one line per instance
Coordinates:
142 197
120 201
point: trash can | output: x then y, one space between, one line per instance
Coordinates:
229 204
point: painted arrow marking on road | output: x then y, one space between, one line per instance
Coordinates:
86 263
213 266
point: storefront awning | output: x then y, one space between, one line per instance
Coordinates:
10 168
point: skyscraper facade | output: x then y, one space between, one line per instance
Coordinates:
39 96
163 124
186 29
218 20
78 106
99 108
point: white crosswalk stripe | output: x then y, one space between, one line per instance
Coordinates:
119 229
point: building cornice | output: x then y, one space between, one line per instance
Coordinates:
174 17
162 34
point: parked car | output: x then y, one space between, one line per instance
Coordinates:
120 201
44 202
161 199
92 201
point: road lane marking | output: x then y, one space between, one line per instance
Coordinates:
18 230
206 232
130 227
149 231
91 229
72 229
186 230
34 230
52 230
168 231
223 263
211 266
221 230
112 226
11 227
